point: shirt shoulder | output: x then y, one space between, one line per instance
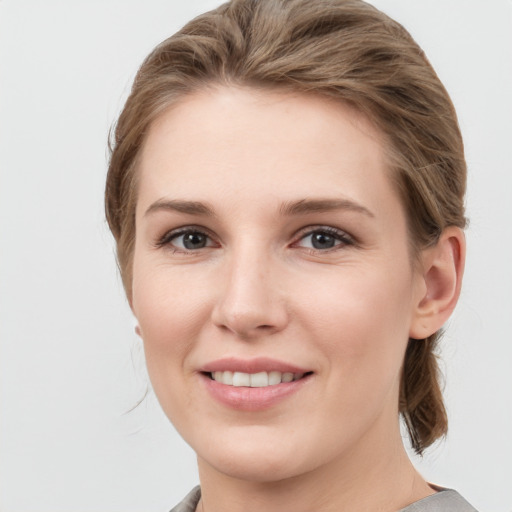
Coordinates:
190 502
445 500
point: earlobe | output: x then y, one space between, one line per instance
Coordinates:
136 326
443 267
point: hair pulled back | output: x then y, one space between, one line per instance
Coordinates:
343 49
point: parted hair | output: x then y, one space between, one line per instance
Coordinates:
342 49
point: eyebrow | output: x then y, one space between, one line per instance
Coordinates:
290 208
322 205
188 207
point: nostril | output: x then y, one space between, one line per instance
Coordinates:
249 320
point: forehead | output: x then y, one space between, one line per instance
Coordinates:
261 145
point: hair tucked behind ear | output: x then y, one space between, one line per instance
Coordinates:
421 398
343 49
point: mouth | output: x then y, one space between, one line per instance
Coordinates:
256 384
261 379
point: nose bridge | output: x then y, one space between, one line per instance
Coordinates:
249 303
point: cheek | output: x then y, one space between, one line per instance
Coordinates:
170 312
362 319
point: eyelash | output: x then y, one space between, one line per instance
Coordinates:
174 234
338 235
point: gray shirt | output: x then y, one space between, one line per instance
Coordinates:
445 500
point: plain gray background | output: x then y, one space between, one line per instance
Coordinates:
70 364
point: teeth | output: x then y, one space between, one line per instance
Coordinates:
274 378
241 379
259 380
255 380
224 377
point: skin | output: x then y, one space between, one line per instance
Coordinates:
260 288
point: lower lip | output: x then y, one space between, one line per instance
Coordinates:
252 399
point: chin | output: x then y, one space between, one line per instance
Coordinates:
260 468
260 456
252 456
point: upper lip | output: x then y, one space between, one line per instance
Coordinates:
255 365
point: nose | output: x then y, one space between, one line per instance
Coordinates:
250 303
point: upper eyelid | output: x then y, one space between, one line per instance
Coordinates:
180 231
328 229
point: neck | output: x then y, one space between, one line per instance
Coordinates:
374 477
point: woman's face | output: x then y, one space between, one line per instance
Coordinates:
272 246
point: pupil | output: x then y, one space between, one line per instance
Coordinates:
194 241
323 241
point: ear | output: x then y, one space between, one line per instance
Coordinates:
136 326
440 283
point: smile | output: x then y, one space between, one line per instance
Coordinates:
254 380
255 384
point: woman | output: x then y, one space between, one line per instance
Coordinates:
286 192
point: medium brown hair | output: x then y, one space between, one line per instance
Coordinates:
343 49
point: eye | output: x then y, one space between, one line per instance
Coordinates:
187 240
323 239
